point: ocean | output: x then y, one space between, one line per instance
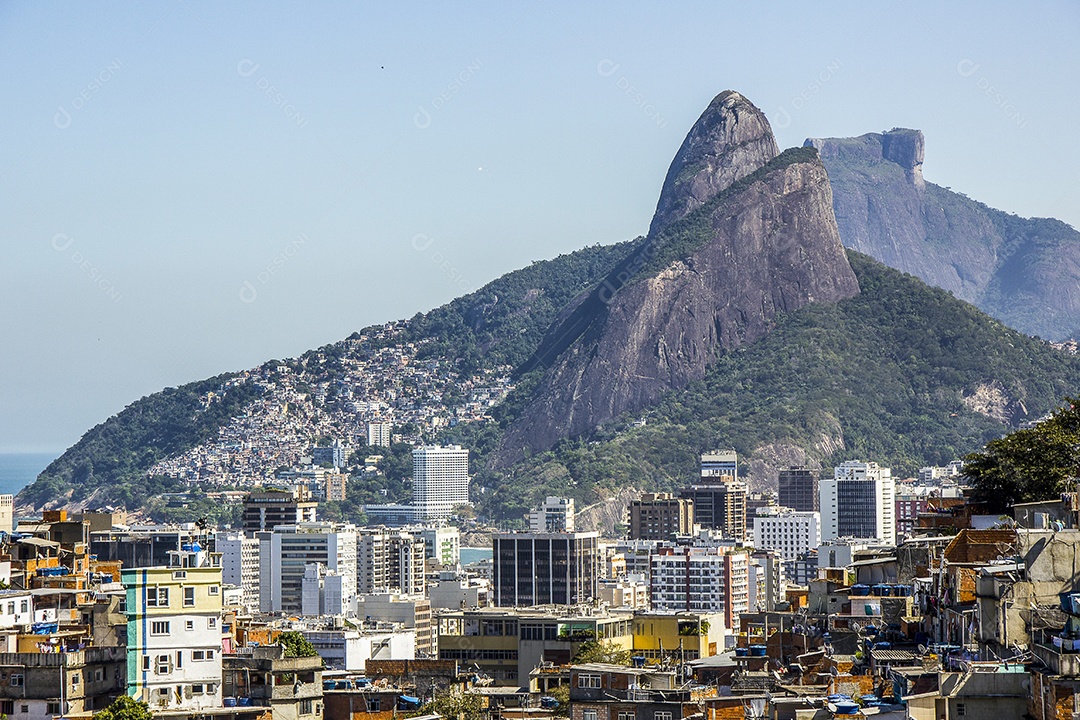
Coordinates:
17 470
471 555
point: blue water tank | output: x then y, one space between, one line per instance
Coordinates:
757 651
244 702
229 702
847 707
860 590
741 652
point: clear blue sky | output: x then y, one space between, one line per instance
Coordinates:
187 188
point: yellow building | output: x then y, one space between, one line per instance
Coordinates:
679 636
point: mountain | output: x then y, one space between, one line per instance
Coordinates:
1025 272
740 235
739 321
903 374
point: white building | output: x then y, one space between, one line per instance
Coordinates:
441 542
440 481
351 649
389 560
16 608
240 565
859 501
412 612
174 633
322 592
555 515
379 434
700 579
7 513
286 552
787 531
840 552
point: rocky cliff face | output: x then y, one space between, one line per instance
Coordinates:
720 264
729 141
1024 272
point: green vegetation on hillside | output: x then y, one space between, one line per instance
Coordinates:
1037 463
112 458
882 376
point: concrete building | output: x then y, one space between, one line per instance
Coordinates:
441 543
859 501
411 611
789 532
322 592
544 568
73 683
799 489
286 552
290 686
174 632
334 486
389 560
712 579
240 565
379 434
332 455
719 504
555 515
765 579
631 592
266 509
142 545
7 513
440 481
351 649
721 465
460 593
660 516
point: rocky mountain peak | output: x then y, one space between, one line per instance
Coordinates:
730 140
902 146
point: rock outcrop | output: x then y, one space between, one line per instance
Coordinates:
720 264
729 141
1025 272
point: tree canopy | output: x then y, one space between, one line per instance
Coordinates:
602 651
296 645
125 708
1028 465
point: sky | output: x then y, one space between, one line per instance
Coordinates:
188 188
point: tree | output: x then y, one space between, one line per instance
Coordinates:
601 651
125 708
296 645
455 705
561 694
1032 464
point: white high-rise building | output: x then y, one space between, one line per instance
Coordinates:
440 481
379 434
698 579
859 501
555 515
240 565
287 551
787 531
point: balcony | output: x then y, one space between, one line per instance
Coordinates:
1062 656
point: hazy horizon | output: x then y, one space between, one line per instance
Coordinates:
190 189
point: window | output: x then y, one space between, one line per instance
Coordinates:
589 681
307 706
16 680
7 707
157 597
179 575
211 623
626 715
209 654
189 597
146 663
197 689
162 664
961 710
374 704
179 658
24 606
211 688
588 715
661 715
52 707
198 655
215 589
24 709
189 625
74 679
159 627
11 608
